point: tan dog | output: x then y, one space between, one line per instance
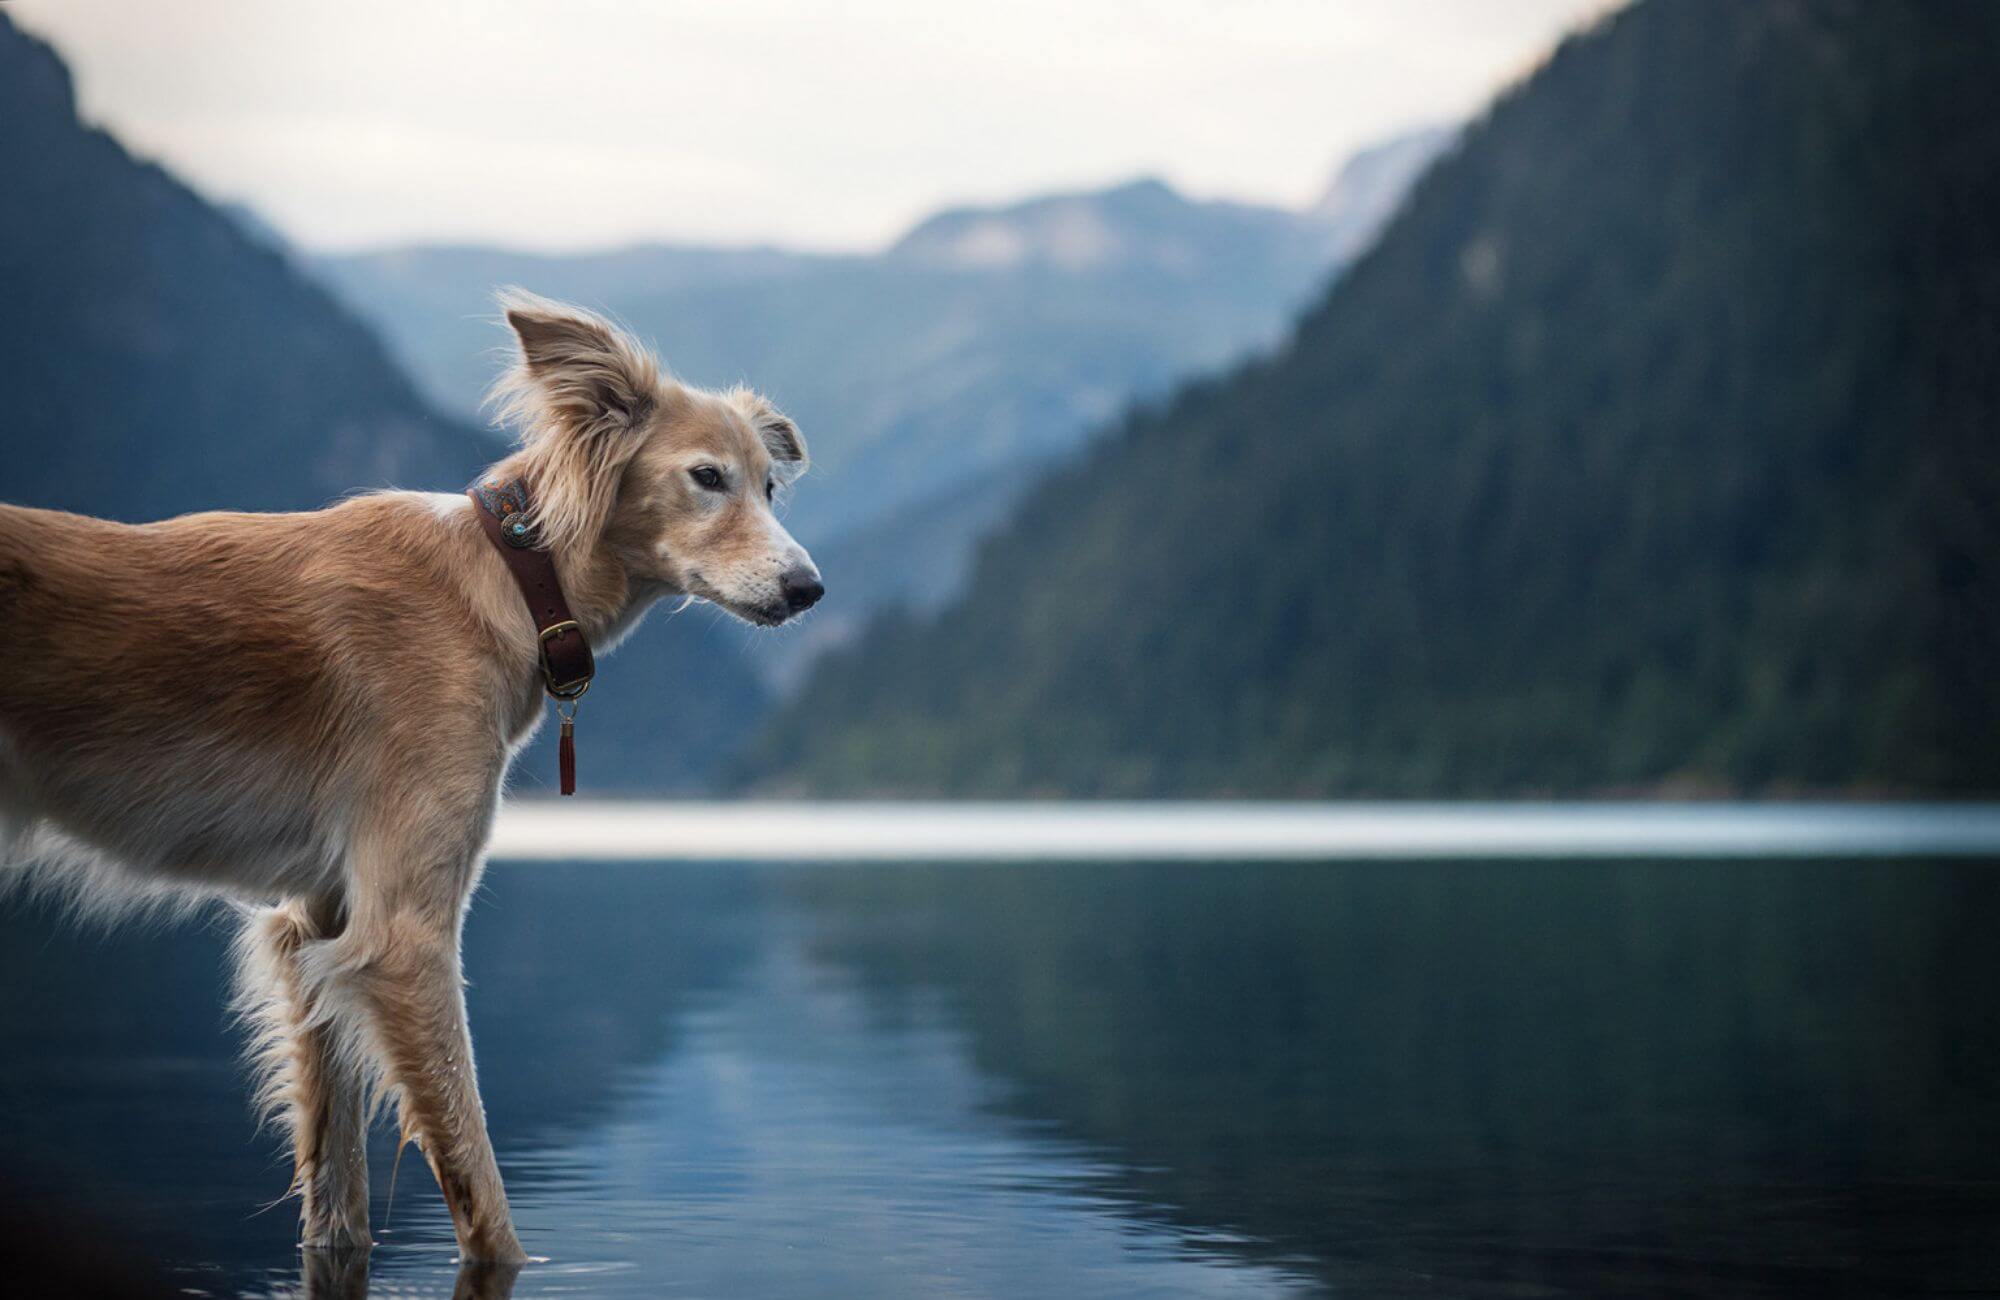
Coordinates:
312 713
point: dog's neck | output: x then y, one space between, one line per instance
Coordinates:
605 595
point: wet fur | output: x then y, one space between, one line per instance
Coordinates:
310 715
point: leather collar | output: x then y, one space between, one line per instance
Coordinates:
566 662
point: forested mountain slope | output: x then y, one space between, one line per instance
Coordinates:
154 359
1652 446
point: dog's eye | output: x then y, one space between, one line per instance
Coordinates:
770 489
708 476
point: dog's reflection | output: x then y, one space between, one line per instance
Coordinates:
343 1275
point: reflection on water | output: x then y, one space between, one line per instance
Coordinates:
1104 1079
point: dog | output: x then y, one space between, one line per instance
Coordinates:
312 714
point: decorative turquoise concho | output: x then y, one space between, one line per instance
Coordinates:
508 501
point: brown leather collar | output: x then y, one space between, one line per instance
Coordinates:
566 662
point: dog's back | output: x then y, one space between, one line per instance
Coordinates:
177 691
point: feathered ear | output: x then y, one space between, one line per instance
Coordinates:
576 372
780 436
579 393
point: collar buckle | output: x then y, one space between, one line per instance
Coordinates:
574 688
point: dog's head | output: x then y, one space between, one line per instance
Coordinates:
680 483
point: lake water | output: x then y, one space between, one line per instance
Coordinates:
1426 1076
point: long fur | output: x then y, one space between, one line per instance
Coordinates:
38 862
576 391
305 1046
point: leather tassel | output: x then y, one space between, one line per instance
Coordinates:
566 756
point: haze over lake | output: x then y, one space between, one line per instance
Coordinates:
782 831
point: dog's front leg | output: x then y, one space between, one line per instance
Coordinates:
415 996
412 876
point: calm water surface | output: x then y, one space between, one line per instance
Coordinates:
1103 1079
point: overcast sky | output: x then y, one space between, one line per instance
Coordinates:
535 123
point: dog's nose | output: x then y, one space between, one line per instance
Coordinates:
802 589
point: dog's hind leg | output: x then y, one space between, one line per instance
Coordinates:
310 1067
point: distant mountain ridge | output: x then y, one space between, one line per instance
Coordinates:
1652 446
1365 193
1145 222
985 339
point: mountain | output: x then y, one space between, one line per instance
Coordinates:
434 304
985 342
1368 189
1144 224
160 355
1651 447
156 360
